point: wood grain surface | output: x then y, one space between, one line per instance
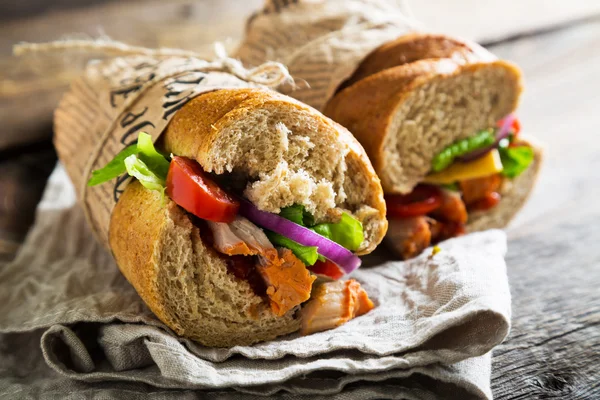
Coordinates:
553 351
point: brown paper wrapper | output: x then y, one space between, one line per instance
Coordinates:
115 99
322 42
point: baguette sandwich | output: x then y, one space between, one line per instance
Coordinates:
436 117
248 197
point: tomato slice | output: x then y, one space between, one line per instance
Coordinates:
191 188
515 128
421 201
490 200
328 268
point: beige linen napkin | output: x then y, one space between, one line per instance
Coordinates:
435 322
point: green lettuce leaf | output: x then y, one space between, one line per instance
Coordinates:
155 161
515 160
294 213
348 232
307 254
461 147
113 169
298 214
144 149
139 170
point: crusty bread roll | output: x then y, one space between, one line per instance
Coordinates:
412 97
415 47
405 115
283 153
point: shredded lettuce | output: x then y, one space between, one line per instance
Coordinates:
139 170
461 147
348 232
307 254
515 160
145 153
155 161
298 214
113 169
294 213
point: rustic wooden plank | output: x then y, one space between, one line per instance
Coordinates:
553 262
492 20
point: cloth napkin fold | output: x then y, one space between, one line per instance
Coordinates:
437 317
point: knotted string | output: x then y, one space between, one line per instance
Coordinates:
270 74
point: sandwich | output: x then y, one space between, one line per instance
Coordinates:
436 116
241 222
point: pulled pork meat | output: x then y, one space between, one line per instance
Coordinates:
288 281
412 235
334 304
474 191
409 235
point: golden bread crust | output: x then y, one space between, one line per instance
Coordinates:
178 274
415 47
134 233
368 107
194 129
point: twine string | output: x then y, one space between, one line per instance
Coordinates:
270 74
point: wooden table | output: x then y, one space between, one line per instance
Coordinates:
553 350
554 254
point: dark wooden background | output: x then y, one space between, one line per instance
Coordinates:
553 350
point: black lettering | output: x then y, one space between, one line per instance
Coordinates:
123 92
145 78
143 65
173 93
129 85
134 129
120 186
130 118
193 81
173 106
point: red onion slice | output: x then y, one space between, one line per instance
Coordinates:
327 248
501 133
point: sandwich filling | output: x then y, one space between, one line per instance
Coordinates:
466 176
279 255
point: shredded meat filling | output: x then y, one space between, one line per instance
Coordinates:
412 235
287 281
334 304
474 190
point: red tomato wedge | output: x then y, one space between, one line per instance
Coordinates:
421 201
328 268
191 188
515 127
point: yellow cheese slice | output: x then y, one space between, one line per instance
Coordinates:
459 171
